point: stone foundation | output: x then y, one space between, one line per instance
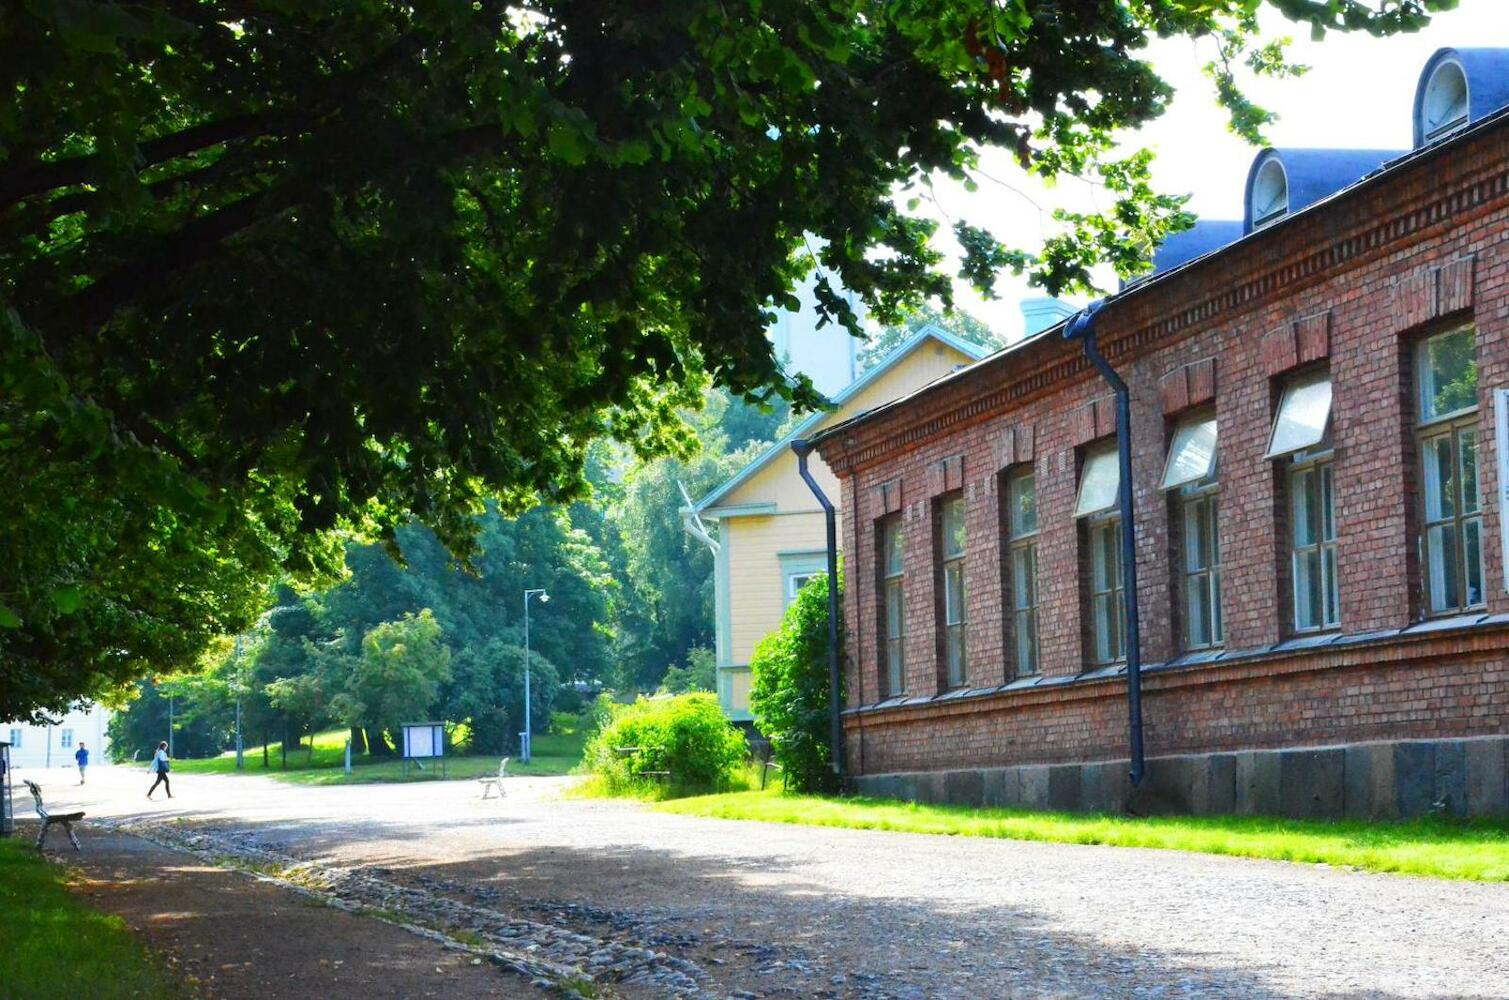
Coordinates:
1389 780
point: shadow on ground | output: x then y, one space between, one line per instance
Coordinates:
764 928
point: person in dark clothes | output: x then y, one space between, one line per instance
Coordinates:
160 765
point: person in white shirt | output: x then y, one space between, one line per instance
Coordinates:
160 765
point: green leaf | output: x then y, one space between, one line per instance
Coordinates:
8 618
68 599
569 144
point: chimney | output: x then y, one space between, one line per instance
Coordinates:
1041 312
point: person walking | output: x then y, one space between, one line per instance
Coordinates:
160 765
82 756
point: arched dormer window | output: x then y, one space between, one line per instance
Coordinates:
1444 105
1270 193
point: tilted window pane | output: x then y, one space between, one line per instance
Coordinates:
1022 496
1303 414
1192 453
1472 560
1441 568
1302 506
953 592
1467 442
893 547
1440 501
1099 482
953 527
1447 374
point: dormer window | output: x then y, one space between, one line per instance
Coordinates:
1270 194
1444 108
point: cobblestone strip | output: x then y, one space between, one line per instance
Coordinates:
550 957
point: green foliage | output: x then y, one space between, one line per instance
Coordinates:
487 689
277 272
56 944
686 735
398 676
699 674
789 695
958 322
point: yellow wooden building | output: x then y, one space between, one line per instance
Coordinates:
769 528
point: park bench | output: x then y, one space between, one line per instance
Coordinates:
66 820
492 782
664 777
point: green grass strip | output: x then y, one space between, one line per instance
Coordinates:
322 760
53 945
1437 848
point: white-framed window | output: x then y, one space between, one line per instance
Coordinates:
1099 481
1312 542
1270 193
1190 473
1108 610
15 738
951 543
1451 539
795 582
1444 107
1302 434
892 606
66 741
1021 575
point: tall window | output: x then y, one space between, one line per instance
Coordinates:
1021 555
67 740
1191 473
951 578
15 738
1446 378
1099 490
892 607
1301 434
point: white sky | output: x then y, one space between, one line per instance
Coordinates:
1359 93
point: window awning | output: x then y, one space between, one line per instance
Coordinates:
1192 453
1304 414
1099 482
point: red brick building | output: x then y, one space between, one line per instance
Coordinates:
1316 433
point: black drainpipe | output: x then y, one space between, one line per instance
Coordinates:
803 448
1081 327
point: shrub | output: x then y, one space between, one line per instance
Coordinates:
789 691
687 735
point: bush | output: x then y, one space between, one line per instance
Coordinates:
687 735
789 691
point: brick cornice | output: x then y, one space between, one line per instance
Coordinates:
1051 363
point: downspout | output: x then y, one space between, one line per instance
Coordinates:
803 448
1082 328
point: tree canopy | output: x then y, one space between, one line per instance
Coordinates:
280 269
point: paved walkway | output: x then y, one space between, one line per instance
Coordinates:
782 910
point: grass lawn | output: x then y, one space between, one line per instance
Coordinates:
52 945
1477 851
321 763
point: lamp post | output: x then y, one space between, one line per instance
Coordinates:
524 751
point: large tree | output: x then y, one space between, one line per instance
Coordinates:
278 268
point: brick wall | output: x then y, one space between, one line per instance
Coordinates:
1353 284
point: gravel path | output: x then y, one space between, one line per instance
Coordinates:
762 910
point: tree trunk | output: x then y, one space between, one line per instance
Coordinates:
377 743
358 741
265 764
283 747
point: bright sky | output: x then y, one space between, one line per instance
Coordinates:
1359 93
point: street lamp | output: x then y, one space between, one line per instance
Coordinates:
524 751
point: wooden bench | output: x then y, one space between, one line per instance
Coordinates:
66 820
494 782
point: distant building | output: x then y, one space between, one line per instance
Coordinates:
770 529
1320 485
829 355
54 746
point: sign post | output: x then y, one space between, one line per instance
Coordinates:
422 741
